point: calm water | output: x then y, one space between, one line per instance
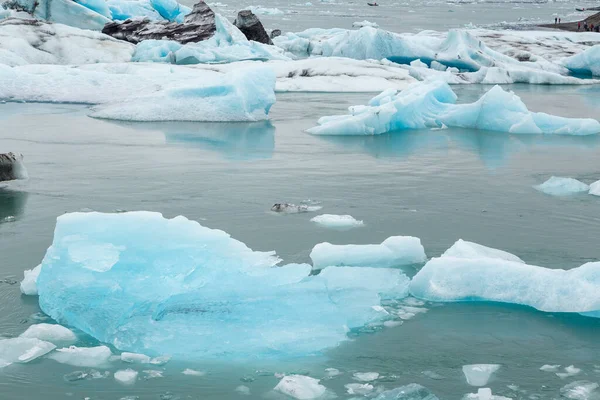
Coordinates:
437 185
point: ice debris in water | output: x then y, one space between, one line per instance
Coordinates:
464 249
193 372
332 372
337 221
202 288
550 368
360 24
394 251
52 333
484 394
585 63
479 374
570 371
412 391
91 357
300 387
432 105
29 282
557 186
433 375
448 279
152 373
595 188
294 209
126 376
22 350
85 375
244 95
136 358
579 390
365 376
242 389
360 389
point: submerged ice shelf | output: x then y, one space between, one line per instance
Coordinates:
201 287
432 105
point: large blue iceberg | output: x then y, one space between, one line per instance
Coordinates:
160 286
483 274
432 105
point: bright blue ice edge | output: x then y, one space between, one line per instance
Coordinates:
156 286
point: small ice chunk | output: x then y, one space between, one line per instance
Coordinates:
579 390
135 358
360 24
331 372
126 376
418 64
365 376
412 391
360 389
337 221
245 390
595 188
153 373
92 357
569 371
85 375
52 333
392 323
432 375
29 282
550 368
193 372
479 374
22 350
557 186
394 251
289 208
300 387
464 249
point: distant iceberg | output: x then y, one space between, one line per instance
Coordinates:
432 105
199 294
558 186
482 278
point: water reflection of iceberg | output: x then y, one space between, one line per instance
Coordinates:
493 148
12 204
239 141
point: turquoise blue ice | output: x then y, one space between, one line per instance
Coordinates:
585 63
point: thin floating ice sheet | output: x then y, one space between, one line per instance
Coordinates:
178 288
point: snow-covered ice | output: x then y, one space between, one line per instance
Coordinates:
579 390
92 357
586 62
432 105
246 95
300 387
28 285
394 251
365 376
56 334
337 221
464 249
559 186
157 288
448 279
595 188
479 374
126 376
411 391
22 350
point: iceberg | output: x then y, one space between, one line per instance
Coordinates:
91 357
55 334
199 293
170 10
432 105
394 251
67 12
557 186
98 6
300 387
22 350
464 249
337 221
585 63
245 95
412 391
12 167
479 374
122 10
579 390
451 279
595 188
126 376
29 283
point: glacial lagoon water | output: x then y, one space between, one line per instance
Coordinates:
437 185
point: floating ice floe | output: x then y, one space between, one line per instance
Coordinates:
432 105
557 186
361 24
484 394
569 371
29 283
359 389
193 372
136 358
579 390
412 391
585 63
337 221
126 376
300 387
240 96
450 279
394 251
479 374
153 373
195 294
22 350
91 357
56 334
550 368
332 373
595 188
